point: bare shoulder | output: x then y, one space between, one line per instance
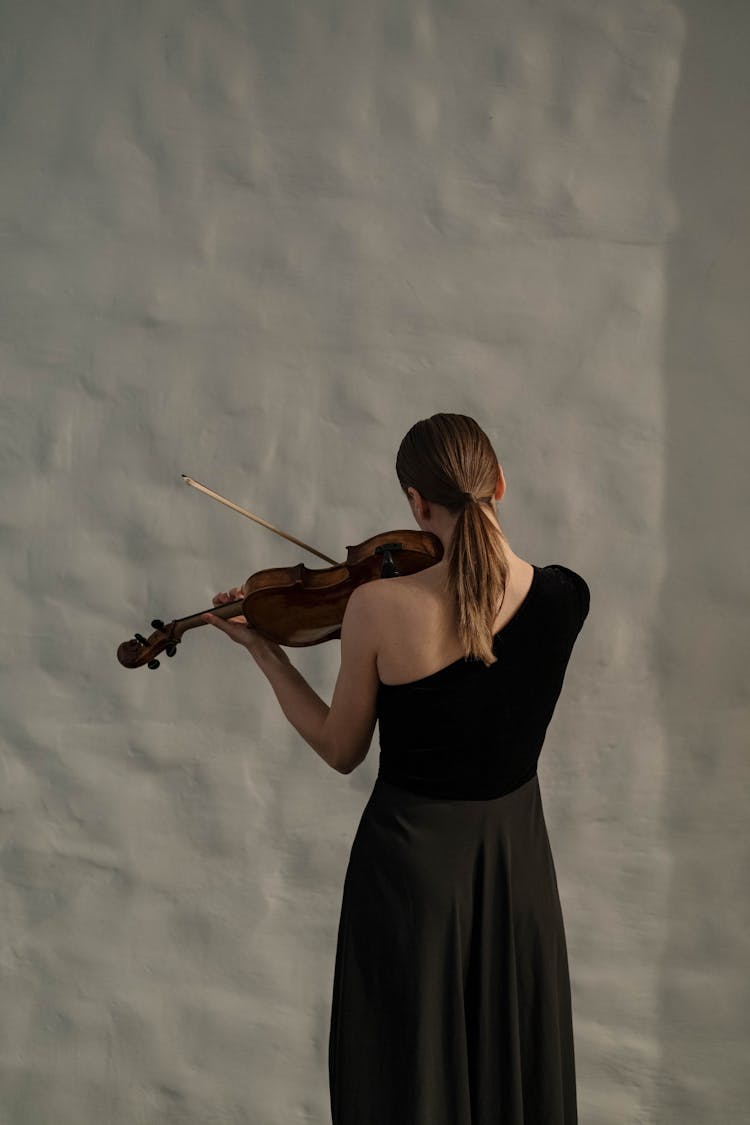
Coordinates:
368 602
393 600
375 595
381 596
387 591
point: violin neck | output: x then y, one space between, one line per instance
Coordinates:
229 609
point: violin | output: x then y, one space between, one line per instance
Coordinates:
295 606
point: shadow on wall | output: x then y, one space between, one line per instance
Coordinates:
705 642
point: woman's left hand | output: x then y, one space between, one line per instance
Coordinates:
237 628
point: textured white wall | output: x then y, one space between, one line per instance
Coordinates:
253 243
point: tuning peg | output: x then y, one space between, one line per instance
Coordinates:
142 640
157 624
153 663
171 650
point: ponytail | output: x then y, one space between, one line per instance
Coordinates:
438 456
477 575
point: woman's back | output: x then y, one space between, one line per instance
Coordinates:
468 730
417 634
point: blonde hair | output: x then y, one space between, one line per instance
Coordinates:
449 459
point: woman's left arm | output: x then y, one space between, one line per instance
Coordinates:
303 707
339 734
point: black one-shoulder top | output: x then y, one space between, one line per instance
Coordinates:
469 731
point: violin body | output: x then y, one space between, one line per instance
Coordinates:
298 606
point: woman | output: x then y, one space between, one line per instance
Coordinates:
451 994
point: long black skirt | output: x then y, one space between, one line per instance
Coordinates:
451 994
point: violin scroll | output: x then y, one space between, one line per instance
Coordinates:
165 638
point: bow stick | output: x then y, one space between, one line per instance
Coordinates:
250 516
